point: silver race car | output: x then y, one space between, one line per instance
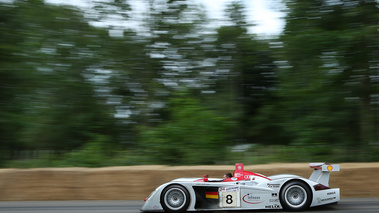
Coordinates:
246 191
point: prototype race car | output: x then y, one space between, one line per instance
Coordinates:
246 191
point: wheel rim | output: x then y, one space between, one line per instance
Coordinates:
296 196
175 198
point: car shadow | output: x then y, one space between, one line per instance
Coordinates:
325 208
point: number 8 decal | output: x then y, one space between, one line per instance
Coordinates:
229 199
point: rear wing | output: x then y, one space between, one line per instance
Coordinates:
322 171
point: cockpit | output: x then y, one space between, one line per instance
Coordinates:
239 174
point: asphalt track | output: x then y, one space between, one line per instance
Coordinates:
361 205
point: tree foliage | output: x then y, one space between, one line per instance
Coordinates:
177 90
329 82
194 134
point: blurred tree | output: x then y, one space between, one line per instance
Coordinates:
15 78
358 44
194 134
173 86
246 72
314 107
328 71
48 56
162 57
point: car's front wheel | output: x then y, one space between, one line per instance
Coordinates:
175 198
295 196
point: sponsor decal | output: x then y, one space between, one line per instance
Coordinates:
230 189
272 207
251 199
274 194
320 200
211 195
331 193
249 177
273 185
274 200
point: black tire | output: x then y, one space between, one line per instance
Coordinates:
295 196
175 198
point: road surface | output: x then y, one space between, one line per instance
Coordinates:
361 205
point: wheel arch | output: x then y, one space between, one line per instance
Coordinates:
173 184
298 180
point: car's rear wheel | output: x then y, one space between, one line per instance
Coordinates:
295 196
175 198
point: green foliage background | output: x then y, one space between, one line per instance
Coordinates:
178 91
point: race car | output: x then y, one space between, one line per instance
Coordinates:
246 191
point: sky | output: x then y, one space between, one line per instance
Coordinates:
263 13
268 20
